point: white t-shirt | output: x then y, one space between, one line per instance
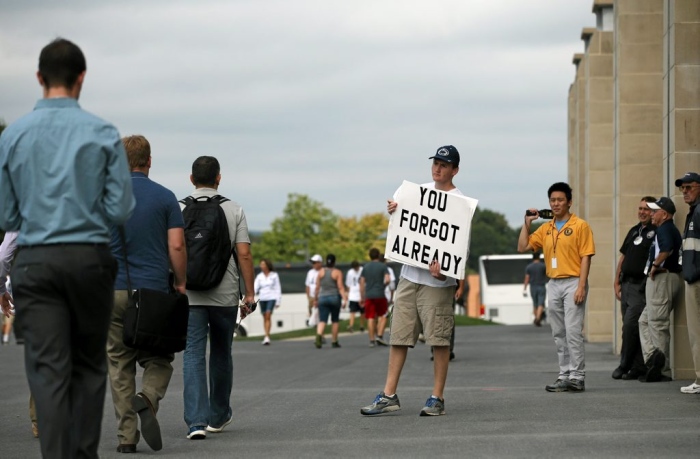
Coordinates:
311 281
352 281
268 287
391 286
420 275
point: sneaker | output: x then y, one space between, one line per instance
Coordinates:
382 404
421 338
371 344
576 385
380 341
319 342
197 433
692 389
350 330
266 341
362 329
335 344
558 386
434 406
221 428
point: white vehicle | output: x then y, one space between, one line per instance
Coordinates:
293 311
501 288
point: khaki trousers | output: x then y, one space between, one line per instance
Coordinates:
692 311
157 370
662 294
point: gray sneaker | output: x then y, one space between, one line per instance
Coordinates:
382 404
560 385
433 407
576 385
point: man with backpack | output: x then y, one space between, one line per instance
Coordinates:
218 254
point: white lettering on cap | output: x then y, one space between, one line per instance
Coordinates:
443 152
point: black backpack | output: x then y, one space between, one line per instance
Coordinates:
208 241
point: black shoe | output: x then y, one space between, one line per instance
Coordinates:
452 356
380 341
618 373
150 430
335 344
126 448
632 375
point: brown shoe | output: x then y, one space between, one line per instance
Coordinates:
35 429
150 430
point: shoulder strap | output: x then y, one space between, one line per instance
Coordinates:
187 201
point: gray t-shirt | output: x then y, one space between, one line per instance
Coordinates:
373 273
537 273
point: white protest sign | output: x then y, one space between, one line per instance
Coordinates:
430 224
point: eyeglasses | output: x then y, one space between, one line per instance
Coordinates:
684 188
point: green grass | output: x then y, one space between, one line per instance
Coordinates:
460 321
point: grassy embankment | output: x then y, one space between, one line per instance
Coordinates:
460 321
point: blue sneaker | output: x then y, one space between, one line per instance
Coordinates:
197 433
382 404
434 406
221 428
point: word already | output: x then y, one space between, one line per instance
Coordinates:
423 253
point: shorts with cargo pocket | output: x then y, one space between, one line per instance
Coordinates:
421 308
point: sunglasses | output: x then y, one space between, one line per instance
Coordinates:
684 188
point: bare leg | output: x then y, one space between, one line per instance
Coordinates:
397 357
363 321
320 328
371 328
334 331
381 325
440 364
352 320
268 323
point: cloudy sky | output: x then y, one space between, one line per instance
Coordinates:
339 100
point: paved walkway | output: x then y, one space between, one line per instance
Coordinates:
292 400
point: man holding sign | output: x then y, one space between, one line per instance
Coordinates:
424 296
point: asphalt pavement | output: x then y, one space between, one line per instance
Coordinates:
292 400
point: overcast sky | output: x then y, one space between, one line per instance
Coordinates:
339 100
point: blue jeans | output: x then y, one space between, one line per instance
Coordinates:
213 409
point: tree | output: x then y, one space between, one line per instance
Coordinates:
306 227
490 235
356 236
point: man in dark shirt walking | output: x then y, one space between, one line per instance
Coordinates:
536 276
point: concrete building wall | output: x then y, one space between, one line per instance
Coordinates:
681 126
633 128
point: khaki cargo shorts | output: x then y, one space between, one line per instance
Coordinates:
420 308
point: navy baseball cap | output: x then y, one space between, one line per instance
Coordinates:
688 177
448 153
663 203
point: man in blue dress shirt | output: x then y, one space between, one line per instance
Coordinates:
64 180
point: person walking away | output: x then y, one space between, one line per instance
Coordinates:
213 309
64 181
373 279
567 244
330 297
536 277
155 243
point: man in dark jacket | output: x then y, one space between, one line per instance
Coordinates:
689 185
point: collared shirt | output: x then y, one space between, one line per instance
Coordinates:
668 239
7 254
64 177
568 246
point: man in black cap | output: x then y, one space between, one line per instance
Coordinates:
423 301
689 185
662 292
